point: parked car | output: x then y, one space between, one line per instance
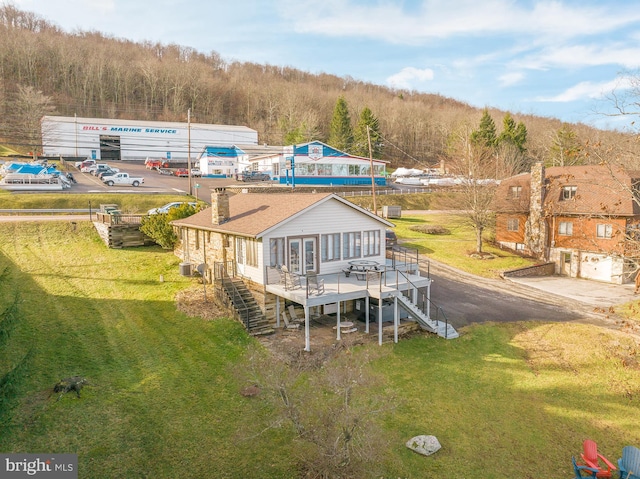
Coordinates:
98 168
180 172
196 172
391 238
165 171
168 206
79 164
108 172
254 176
86 164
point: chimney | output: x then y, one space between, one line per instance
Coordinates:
537 228
219 206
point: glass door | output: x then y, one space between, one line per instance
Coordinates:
295 256
310 255
303 255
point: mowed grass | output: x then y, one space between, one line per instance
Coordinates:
455 248
162 401
129 203
164 398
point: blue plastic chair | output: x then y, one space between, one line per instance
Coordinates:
578 470
629 463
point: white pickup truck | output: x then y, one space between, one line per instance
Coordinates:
123 179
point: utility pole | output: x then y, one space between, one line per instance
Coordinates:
189 147
75 122
373 179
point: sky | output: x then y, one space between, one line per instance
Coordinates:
559 59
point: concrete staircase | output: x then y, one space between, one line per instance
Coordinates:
246 307
437 327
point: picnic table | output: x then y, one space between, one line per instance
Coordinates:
361 267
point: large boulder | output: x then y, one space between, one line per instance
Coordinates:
425 445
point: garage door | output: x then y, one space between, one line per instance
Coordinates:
593 266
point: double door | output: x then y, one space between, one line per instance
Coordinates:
303 255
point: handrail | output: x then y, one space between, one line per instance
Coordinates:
220 271
430 303
234 294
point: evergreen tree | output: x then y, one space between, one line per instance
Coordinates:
512 133
341 134
360 146
485 135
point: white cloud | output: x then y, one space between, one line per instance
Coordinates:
75 8
409 76
582 55
509 79
388 20
588 90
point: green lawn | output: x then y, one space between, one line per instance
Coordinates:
129 203
164 398
455 248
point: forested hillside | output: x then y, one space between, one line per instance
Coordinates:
44 70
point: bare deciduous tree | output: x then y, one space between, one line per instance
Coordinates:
333 403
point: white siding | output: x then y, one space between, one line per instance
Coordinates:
329 217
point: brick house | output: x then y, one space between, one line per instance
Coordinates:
299 249
579 217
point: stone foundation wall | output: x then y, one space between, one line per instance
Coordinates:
546 269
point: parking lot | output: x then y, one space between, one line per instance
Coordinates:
154 182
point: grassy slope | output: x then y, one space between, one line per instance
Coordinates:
129 203
165 402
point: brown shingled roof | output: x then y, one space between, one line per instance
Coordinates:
251 214
600 190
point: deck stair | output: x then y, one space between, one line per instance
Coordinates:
246 307
440 328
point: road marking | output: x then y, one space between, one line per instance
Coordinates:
179 190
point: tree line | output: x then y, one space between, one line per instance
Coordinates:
44 70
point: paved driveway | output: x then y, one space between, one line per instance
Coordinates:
593 293
468 299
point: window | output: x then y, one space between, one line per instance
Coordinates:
371 243
276 252
569 192
246 251
198 239
565 228
603 231
516 191
351 245
513 224
240 250
330 247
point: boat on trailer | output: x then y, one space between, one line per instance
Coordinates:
29 182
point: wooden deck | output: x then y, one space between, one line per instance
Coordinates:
338 288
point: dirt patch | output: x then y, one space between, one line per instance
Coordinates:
192 303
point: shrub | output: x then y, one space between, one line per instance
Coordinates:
158 227
430 229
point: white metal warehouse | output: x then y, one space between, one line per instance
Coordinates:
108 139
